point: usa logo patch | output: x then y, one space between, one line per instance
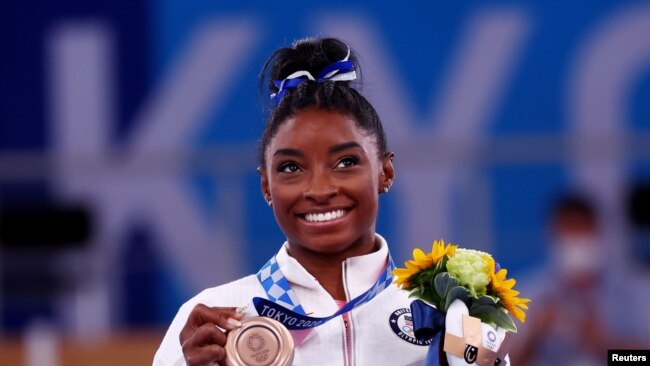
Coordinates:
401 322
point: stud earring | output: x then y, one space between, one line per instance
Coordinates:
386 189
269 202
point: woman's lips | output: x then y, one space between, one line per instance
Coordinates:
324 216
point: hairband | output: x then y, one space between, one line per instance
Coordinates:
342 70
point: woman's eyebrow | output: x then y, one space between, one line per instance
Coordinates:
344 146
288 152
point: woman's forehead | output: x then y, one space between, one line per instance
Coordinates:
314 128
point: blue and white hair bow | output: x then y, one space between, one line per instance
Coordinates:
342 70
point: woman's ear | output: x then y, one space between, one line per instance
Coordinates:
387 176
264 185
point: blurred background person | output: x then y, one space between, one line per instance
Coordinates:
579 313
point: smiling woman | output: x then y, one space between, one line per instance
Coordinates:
324 163
324 180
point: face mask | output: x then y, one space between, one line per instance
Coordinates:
577 256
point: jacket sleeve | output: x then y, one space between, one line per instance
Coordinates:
236 293
170 352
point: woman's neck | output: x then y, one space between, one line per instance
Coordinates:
327 267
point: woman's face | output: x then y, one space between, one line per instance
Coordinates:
323 175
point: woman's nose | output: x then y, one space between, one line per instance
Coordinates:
320 188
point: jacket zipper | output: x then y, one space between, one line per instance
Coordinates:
348 344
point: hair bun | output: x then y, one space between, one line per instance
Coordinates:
316 73
309 54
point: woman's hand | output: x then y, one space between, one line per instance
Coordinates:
203 343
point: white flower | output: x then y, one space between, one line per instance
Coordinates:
470 267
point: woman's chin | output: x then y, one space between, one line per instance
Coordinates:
330 245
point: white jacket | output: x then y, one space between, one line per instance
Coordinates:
380 329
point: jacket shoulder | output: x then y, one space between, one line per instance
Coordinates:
235 293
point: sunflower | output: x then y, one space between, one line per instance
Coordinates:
422 261
403 275
502 288
439 250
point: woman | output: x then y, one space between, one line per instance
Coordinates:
324 163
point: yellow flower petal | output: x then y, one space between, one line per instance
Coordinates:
503 289
421 261
439 250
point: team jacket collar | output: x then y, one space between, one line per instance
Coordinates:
359 273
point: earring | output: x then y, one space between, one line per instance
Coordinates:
383 174
269 202
386 189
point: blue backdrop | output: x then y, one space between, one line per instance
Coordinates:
147 115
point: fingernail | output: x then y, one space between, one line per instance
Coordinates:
241 309
234 322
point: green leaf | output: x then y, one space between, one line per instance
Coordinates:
504 321
458 292
421 281
443 262
492 314
431 296
486 318
484 300
483 310
443 283
439 267
425 293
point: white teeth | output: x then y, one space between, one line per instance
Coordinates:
320 217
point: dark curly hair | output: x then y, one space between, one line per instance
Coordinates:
313 55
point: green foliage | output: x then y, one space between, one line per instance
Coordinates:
489 311
437 287
458 292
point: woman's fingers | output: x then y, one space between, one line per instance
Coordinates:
224 318
205 346
203 337
203 314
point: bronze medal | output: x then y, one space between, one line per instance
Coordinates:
260 341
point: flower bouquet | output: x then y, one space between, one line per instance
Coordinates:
464 296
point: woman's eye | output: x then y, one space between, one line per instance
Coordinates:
347 162
288 168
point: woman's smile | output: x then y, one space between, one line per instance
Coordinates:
327 217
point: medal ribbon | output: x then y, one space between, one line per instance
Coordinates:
283 305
